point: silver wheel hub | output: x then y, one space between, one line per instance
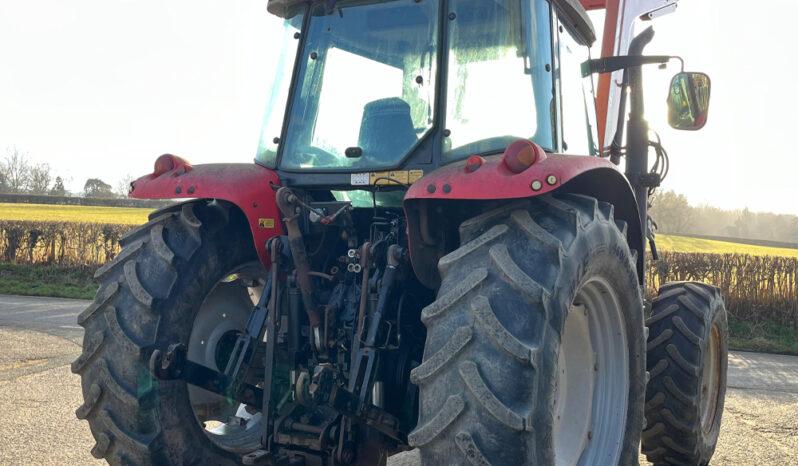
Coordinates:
592 380
221 317
710 380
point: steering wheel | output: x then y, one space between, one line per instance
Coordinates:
317 157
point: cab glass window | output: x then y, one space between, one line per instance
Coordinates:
499 76
366 86
576 95
279 83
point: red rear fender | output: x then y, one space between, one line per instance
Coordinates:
248 186
494 180
436 204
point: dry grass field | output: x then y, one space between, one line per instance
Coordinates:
137 216
73 213
707 246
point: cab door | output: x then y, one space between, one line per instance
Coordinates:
578 132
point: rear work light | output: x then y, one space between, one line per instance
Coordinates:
169 162
522 154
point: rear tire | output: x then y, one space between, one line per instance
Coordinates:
149 297
687 361
492 376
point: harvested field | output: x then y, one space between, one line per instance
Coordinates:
73 213
685 244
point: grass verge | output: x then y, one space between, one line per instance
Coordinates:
58 281
77 282
764 337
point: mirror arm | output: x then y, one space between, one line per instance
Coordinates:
622 62
681 61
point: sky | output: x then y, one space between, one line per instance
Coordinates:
100 88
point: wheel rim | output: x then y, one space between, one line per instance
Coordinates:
710 380
592 383
222 315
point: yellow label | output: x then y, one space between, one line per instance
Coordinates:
384 178
415 175
266 222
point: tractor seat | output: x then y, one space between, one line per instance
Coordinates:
386 131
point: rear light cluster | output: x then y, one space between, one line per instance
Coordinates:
169 162
522 154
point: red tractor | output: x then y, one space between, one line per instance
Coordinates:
435 249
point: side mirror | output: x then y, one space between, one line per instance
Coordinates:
688 101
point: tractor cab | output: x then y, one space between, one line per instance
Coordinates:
414 84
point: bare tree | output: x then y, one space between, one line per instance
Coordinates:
15 170
39 179
123 187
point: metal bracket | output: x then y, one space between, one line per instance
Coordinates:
649 180
348 404
271 340
174 365
244 350
610 64
266 458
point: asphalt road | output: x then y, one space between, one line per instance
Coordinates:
39 394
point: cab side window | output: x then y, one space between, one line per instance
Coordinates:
577 106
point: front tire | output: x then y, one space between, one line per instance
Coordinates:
536 287
688 361
151 295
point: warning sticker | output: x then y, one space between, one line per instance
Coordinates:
266 223
415 175
381 178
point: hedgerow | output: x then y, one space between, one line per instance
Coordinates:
755 288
